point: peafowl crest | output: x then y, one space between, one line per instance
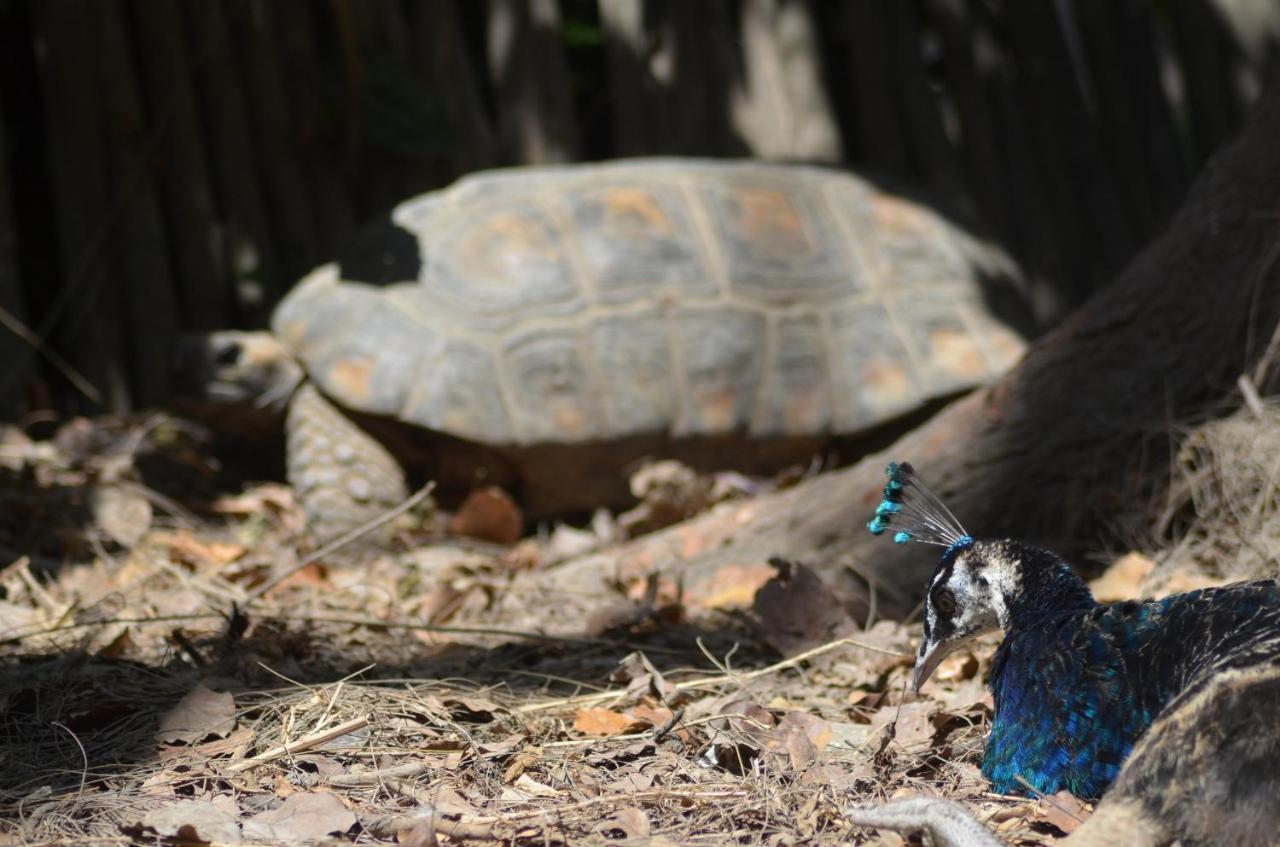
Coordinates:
1075 683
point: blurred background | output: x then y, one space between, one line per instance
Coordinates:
167 166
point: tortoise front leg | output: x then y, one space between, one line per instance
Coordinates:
343 477
947 823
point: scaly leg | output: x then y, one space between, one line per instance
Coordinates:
342 475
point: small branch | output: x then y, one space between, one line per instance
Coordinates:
305 743
588 699
345 539
1251 398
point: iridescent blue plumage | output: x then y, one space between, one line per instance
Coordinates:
1075 683
1074 688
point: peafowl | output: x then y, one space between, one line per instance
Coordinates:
1207 773
1076 683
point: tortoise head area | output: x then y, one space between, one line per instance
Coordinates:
229 366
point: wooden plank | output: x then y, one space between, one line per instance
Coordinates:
637 101
314 123
84 321
1134 119
449 70
206 286
707 66
140 250
272 132
243 235
14 352
1091 237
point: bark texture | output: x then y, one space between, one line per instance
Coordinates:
1065 444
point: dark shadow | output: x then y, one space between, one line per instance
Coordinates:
70 716
380 253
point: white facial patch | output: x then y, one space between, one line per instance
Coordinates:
979 587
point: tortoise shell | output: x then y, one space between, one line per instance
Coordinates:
683 297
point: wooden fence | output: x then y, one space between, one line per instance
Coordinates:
175 164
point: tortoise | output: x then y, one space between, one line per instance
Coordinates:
541 328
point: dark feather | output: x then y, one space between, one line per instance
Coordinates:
1075 689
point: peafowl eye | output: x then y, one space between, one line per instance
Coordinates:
1074 683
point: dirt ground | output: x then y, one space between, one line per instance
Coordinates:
178 666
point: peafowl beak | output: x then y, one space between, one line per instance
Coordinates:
927 661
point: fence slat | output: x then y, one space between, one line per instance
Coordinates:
83 323
242 235
531 81
140 253
205 283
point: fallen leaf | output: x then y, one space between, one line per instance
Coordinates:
520 763
121 511
606 722
240 738
626 824
796 610
188 821
197 716
746 716
816 729
490 515
732 587
301 817
185 547
957 667
533 788
1062 810
912 722
1182 580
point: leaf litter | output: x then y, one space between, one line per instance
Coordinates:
414 695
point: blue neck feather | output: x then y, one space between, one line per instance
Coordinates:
1075 683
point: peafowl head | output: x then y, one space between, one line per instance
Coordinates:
979 585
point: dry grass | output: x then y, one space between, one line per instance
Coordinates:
154 691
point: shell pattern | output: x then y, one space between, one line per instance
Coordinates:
685 297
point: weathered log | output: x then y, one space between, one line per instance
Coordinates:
1056 451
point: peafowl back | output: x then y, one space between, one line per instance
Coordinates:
1075 683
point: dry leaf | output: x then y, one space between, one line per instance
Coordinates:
121 511
606 722
1062 810
533 788
626 824
957 667
197 716
301 817
732 587
913 722
816 729
190 822
796 610
185 547
490 515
